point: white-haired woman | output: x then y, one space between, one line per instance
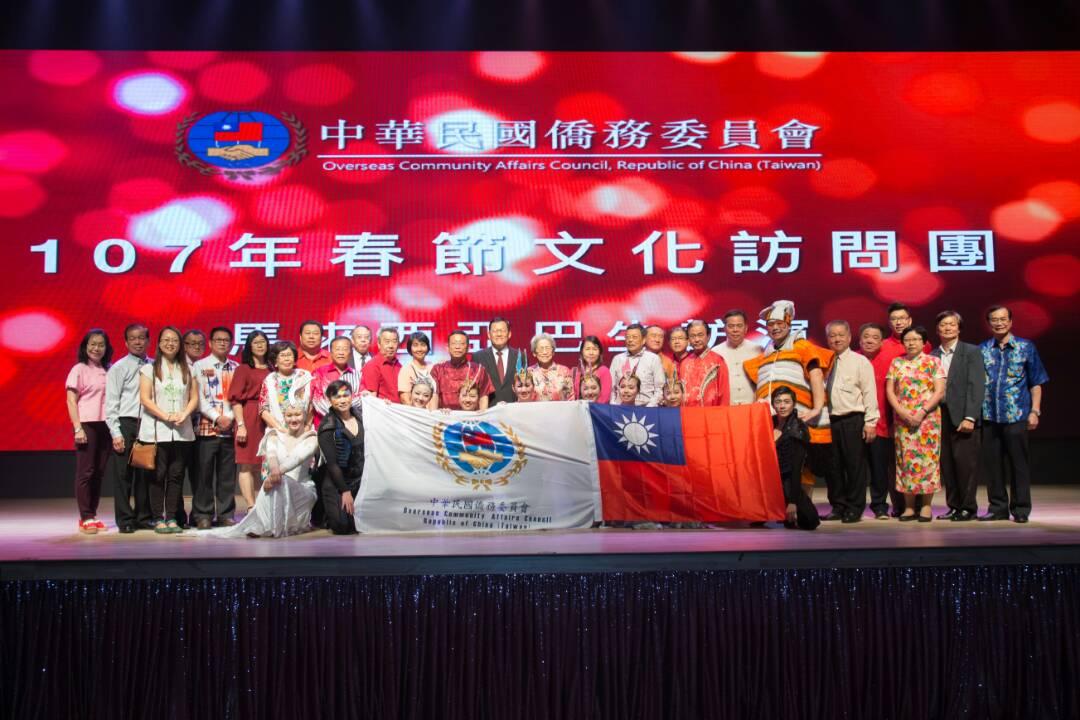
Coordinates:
283 505
551 380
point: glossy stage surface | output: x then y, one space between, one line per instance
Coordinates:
38 539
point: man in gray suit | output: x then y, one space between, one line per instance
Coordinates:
961 413
499 361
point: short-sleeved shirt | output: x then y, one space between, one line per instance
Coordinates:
321 359
88 382
449 378
1011 371
380 376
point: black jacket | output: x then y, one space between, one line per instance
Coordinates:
342 452
504 391
965 386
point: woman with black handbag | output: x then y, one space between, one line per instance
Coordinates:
169 395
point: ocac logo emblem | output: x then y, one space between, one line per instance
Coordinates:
479 454
240 144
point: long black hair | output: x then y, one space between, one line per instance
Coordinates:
248 357
84 357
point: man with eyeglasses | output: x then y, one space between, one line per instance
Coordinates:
1012 408
214 478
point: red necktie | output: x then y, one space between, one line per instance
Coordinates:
499 365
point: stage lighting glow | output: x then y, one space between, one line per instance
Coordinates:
509 66
19 196
150 93
32 331
196 218
705 58
1025 220
33 151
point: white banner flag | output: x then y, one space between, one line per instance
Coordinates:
518 466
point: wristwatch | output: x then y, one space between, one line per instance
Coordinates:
1036 413
78 430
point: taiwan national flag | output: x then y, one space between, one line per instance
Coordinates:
711 464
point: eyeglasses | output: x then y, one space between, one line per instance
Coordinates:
219 340
194 343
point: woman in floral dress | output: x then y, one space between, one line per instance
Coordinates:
915 386
287 385
551 380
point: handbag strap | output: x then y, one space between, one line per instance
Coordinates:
153 394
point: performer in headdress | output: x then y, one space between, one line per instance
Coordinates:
469 397
590 362
451 376
798 364
422 392
704 374
629 388
419 346
641 362
589 388
524 389
283 505
674 391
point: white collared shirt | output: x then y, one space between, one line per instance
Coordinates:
741 389
852 387
947 354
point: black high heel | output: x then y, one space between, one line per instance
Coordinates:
908 518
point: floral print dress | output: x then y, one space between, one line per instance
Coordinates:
918 450
554 382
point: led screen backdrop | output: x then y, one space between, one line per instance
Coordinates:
574 192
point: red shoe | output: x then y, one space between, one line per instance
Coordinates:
98 524
88 527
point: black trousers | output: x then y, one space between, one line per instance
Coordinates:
847 489
882 456
1006 444
129 483
213 482
91 462
959 463
167 482
337 520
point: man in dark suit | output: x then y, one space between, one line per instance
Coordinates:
961 413
499 361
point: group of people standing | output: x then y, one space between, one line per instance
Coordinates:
283 425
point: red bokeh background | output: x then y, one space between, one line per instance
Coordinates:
910 142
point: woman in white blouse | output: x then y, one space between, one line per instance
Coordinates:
169 395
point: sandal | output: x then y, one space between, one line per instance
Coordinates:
88 527
98 524
161 528
172 527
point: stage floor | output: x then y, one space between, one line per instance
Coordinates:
38 539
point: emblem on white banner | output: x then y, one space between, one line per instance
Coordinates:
479 454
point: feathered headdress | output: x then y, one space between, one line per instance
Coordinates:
674 382
471 380
522 370
425 379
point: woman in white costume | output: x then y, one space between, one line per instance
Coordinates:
283 506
